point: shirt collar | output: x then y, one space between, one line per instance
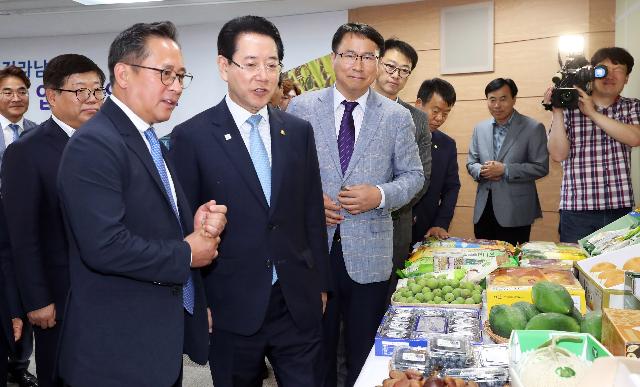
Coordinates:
66 128
241 115
508 124
138 122
338 98
4 122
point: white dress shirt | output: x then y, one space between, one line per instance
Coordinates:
67 129
6 130
142 127
358 117
241 115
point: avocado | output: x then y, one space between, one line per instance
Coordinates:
554 322
527 308
592 323
551 297
505 318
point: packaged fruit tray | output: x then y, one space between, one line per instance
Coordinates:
431 291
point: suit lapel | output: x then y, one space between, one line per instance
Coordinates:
327 127
58 136
134 141
227 134
370 123
181 199
512 135
278 154
488 139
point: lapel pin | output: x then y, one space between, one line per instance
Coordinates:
227 137
282 132
435 146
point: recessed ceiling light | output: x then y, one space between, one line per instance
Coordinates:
100 2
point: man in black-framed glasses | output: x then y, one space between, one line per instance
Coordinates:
73 87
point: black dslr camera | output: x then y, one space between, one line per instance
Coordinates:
575 72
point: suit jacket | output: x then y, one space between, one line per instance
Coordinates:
124 324
436 207
38 243
213 162
385 154
10 306
526 159
28 125
403 217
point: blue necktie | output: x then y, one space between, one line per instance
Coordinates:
500 132
346 135
16 131
156 154
260 159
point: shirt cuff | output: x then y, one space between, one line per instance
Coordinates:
506 171
381 206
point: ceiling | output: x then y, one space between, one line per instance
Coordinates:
29 18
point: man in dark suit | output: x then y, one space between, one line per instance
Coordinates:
433 213
507 154
73 86
268 287
397 60
14 102
136 301
10 310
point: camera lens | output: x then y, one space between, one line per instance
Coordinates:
566 96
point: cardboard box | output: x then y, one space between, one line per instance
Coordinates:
597 295
612 372
523 341
631 290
631 219
621 331
509 285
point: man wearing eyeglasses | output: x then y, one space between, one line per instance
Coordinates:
268 287
14 102
73 86
370 167
136 301
397 60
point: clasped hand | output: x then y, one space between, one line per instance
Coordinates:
208 224
492 170
356 199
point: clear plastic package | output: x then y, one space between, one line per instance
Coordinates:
431 324
485 377
405 358
447 351
492 355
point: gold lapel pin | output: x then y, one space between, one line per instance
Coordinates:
282 132
227 137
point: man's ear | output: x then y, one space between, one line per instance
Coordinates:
419 103
51 95
223 67
121 73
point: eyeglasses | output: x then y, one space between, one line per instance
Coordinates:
83 94
351 57
21 93
253 68
168 76
390 69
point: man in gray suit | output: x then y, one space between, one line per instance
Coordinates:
14 102
507 154
370 166
397 60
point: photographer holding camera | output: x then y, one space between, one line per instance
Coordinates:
593 142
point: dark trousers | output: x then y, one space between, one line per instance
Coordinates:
19 358
46 347
238 361
489 228
4 352
360 308
575 225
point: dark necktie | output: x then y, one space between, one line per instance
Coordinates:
346 135
188 292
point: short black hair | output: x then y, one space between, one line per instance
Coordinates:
130 45
246 25
359 29
437 86
617 55
403 47
15 71
61 67
500 82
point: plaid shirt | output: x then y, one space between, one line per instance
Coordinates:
596 174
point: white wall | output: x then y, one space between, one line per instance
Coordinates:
305 37
628 36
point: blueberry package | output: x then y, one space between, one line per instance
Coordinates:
404 358
446 351
485 377
492 355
